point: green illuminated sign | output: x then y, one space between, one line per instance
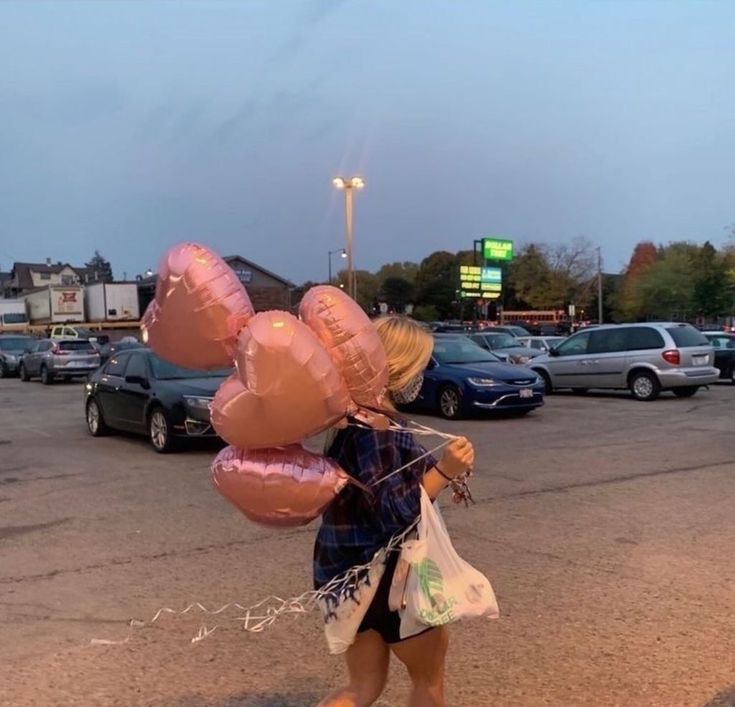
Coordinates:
497 249
477 282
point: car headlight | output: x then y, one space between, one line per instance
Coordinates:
483 382
198 403
10 358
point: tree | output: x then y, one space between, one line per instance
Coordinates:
405 270
529 275
101 268
666 290
297 294
436 282
712 293
397 292
368 288
644 257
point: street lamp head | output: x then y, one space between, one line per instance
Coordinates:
344 252
357 182
339 183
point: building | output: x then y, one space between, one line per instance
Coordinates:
25 277
266 289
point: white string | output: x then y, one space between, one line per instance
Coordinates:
272 607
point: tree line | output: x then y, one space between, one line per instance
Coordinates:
679 280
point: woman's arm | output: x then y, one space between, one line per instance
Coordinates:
459 456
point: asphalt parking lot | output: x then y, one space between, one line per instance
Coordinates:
605 525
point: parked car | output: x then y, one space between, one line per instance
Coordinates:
136 391
58 358
644 358
109 349
12 347
513 329
542 344
724 345
463 377
505 346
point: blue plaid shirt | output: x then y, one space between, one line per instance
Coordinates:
357 523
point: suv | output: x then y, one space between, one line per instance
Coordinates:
52 358
644 358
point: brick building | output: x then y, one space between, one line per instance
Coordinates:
266 289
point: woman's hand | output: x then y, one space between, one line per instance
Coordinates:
459 456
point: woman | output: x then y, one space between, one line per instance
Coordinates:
358 524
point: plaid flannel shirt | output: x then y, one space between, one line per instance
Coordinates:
357 523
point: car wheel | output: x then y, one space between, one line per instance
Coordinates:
732 375
686 392
23 373
159 431
548 386
450 402
3 371
95 422
644 386
46 377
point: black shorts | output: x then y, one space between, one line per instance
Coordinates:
379 617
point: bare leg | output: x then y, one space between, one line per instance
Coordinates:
367 664
424 657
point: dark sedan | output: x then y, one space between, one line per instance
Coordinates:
12 348
136 391
463 377
724 345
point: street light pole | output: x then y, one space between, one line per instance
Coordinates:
599 285
348 186
331 253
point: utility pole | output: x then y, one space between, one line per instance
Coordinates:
599 285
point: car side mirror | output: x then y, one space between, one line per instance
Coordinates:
553 352
140 380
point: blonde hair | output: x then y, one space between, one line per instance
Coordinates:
408 348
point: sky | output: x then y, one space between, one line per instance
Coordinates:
130 126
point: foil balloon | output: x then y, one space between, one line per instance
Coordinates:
281 487
285 388
351 339
199 308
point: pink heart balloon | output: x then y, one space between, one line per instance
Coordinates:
286 387
199 308
282 487
351 339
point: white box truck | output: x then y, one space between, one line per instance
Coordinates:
12 314
55 304
112 302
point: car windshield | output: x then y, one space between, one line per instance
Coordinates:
76 345
166 371
687 335
461 350
15 344
519 331
502 341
